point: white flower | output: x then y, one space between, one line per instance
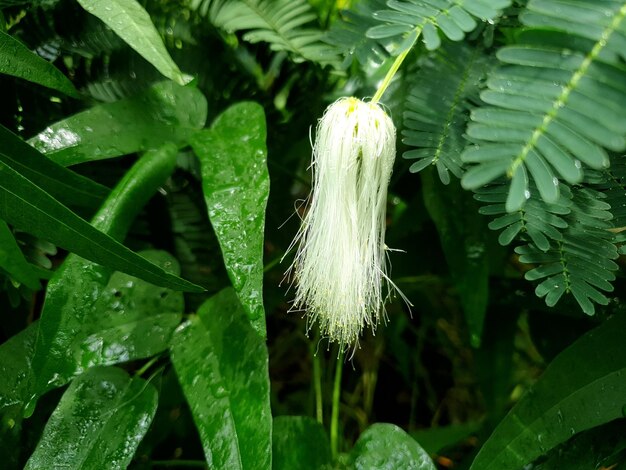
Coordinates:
340 263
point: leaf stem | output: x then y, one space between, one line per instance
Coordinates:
146 366
334 419
394 68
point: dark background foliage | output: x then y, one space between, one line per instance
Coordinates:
476 339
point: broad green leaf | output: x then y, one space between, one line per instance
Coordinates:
583 387
132 23
433 440
387 447
601 448
77 298
28 207
13 262
122 320
65 185
16 356
464 242
163 113
299 442
129 319
99 422
235 182
222 365
17 60
15 366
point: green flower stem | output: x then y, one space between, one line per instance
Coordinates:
317 383
334 420
394 68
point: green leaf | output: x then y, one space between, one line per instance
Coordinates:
13 262
78 288
387 447
452 18
132 23
163 113
436 113
299 442
286 25
122 320
98 423
28 207
222 365
63 184
16 356
17 60
235 181
583 387
554 102
128 320
464 242
601 448
433 440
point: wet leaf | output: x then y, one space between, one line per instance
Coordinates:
13 262
222 366
98 423
64 185
299 442
88 322
132 23
78 304
163 113
28 207
235 182
601 448
16 356
17 60
583 387
387 447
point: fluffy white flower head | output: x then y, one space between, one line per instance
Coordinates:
340 263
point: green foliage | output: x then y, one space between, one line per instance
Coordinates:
429 17
163 113
386 446
105 363
437 107
222 368
564 400
17 60
280 23
27 206
299 442
235 192
537 123
99 422
132 23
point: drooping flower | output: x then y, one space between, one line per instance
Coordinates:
340 263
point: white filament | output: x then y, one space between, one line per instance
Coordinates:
340 263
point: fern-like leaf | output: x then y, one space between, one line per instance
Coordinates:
537 222
436 111
453 18
582 263
283 24
348 35
612 183
559 100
